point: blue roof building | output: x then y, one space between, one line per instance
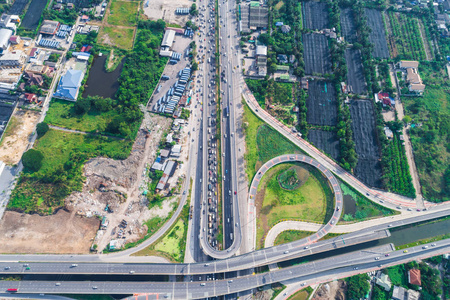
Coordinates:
68 85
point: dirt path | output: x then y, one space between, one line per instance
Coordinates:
83 132
428 53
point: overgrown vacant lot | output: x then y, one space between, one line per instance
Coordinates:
123 13
292 191
62 113
429 132
115 36
61 172
378 34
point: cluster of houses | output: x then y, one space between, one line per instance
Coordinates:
400 293
167 159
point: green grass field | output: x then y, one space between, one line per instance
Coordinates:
61 171
313 201
307 203
170 244
397 274
62 113
263 143
123 13
119 37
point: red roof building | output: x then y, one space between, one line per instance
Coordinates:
414 277
14 39
31 97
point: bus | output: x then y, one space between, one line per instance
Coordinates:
12 290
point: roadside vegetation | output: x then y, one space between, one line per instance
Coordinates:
262 142
359 208
173 244
303 294
295 235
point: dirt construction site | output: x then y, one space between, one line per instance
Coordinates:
165 9
112 189
15 141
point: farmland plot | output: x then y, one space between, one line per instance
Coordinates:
405 38
355 75
368 168
18 7
33 15
326 141
316 54
348 25
378 35
315 15
321 104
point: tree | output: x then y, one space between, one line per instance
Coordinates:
82 105
194 66
42 129
32 160
357 286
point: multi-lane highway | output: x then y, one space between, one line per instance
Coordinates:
360 261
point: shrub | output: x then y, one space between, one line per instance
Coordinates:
42 129
32 160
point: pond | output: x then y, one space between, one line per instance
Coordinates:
100 82
33 15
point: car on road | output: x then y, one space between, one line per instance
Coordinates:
432 245
202 284
405 251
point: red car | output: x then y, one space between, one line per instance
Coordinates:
235 192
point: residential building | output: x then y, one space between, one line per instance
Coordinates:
258 16
175 151
31 98
5 35
12 60
404 64
34 79
388 132
39 69
69 85
282 58
9 21
14 39
168 172
383 280
261 60
285 28
399 293
413 295
49 27
414 277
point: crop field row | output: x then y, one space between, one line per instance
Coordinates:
316 54
368 168
321 104
355 73
405 38
378 35
326 141
348 25
315 15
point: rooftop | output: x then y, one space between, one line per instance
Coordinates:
414 277
69 84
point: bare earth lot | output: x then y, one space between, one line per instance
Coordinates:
165 9
13 145
368 168
22 233
316 54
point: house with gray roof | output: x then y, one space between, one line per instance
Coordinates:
69 85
